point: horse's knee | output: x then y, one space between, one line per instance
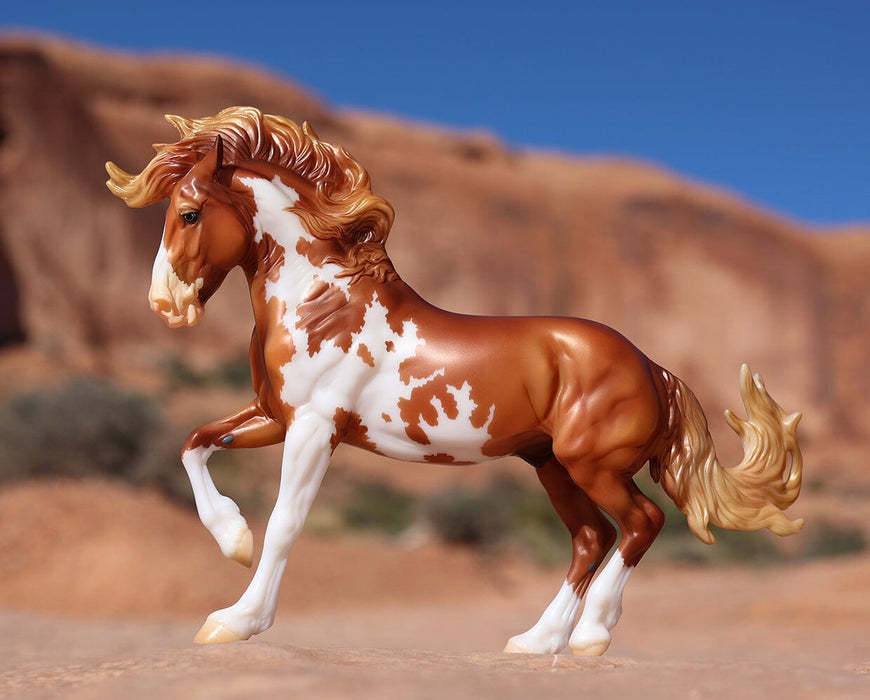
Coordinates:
194 440
198 437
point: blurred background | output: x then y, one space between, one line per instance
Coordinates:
694 176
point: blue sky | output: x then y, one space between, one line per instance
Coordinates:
768 99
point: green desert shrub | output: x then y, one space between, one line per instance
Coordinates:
460 516
373 505
504 514
507 515
828 539
234 373
87 427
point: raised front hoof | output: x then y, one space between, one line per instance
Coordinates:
215 632
593 645
244 549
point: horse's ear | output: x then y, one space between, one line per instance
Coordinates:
211 162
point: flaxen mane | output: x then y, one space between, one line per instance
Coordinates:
346 209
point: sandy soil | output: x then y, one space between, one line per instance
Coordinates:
103 587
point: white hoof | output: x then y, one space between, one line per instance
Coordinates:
516 646
535 642
243 551
591 642
216 632
235 538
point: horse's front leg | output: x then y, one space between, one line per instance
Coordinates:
307 449
250 427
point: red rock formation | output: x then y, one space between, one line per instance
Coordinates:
699 279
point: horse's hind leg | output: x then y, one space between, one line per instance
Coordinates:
592 536
250 427
640 521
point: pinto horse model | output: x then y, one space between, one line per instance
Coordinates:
344 351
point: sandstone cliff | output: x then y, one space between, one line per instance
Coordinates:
696 277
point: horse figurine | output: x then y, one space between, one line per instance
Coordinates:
344 351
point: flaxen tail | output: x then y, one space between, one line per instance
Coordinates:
749 496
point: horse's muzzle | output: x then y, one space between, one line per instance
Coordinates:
174 300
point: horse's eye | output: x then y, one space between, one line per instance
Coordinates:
190 217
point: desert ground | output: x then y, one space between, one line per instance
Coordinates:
103 587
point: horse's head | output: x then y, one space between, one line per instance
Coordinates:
204 237
210 223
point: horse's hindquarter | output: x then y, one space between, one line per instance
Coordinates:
609 406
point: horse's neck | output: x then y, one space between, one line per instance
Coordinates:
327 308
292 270
278 233
291 282
291 278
